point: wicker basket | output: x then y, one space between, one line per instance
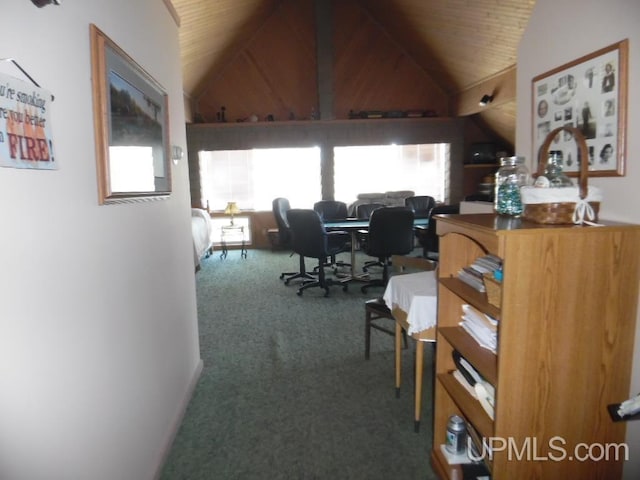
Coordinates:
494 289
561 205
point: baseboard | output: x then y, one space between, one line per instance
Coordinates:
177 421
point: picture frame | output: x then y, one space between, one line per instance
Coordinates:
131 124
589 93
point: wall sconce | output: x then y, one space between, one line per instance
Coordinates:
485 100
176 153
44 3
232 209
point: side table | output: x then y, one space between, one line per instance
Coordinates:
233 233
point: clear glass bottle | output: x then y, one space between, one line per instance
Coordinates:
511 175
553 170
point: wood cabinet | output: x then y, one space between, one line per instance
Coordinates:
565 344
474 174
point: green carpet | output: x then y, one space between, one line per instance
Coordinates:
286 393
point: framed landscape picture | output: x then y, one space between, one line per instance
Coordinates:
590 94
131 126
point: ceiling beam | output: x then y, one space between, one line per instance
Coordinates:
502 86
324 51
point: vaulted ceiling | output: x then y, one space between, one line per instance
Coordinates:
459 45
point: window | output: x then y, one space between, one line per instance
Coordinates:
131 169
382 168
253 178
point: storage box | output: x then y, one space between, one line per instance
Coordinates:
494 290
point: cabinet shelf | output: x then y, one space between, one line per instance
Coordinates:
483 360
469 406
442 467
471 296
481 165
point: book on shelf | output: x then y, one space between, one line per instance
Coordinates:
472 274
471 279
470 378
476 442
487 263
464 367
478 449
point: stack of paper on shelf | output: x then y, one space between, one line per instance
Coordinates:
482 327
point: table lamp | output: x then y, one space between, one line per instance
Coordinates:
232 209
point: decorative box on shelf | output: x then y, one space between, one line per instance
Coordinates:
494 290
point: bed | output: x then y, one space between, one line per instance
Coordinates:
201 230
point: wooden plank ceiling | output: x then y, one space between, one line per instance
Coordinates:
458 46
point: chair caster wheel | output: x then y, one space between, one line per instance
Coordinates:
281 276
326 292
299 293
363 289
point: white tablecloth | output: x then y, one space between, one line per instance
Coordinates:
417 295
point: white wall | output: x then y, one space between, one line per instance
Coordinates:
98 327
560 31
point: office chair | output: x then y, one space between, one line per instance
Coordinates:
427 236
364 212
310 239
281 208
331 209
421 205
390 233
335 210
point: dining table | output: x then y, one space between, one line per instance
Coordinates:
413 301
353 225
